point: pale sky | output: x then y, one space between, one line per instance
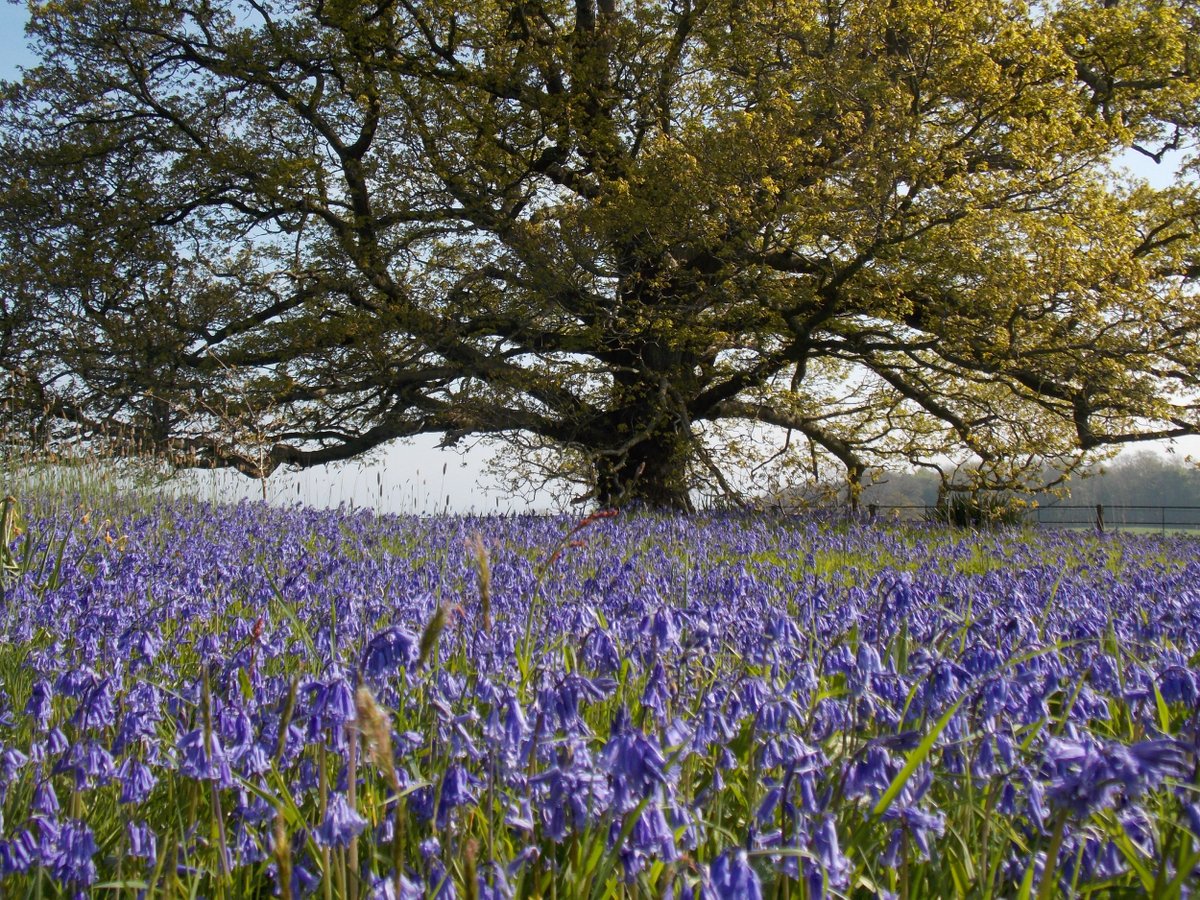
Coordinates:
409 477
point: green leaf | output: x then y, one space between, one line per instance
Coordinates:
298 627
915 758
1134 857
1164 711
1025 891
1174 889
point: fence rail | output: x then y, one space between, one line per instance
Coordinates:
1100 516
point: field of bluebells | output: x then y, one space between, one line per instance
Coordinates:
239 701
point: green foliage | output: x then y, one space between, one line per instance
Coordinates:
979 510
617 234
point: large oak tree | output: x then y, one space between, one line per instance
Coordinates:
264 232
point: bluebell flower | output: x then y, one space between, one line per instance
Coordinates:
519 815
249 845
1099 860
870 775
250 758
12 761
56 741
899 597
76 681
421 803
492 883
830 717
731 877
662 628
39 707
1085 776
18 854
96 708
341 823
657 694
195 760
70 856
754 694
135 726
636 766
1140 830
137 781
918 824
384 888
839 661
331 706
89 762
777 714
457 790
1153 761
388 652
650 838
866 664
993 697
304 880
783 630
600 652
833 863
516 726
573 689
142 842
45 801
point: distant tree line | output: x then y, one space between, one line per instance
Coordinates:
1135 479
1141 479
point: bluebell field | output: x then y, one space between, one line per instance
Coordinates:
239 701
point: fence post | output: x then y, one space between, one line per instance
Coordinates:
1100 517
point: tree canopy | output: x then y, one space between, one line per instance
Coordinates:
620 233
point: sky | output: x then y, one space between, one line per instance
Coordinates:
413 476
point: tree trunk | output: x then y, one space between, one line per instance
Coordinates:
653 473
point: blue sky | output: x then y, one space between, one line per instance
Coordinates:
411 477
13 52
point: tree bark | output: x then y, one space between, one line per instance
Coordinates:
652 472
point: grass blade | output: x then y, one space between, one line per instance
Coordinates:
915 758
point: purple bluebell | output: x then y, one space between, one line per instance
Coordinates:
18 854
137 780
39 707
834 867
96 709
45 800
12 761
331 705
650 838
143 844
1178 684
203 758
915 823
70 854
636 766
731 877
1085 775
341 823
657 694
388 652
458 789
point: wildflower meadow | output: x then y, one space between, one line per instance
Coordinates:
213 700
